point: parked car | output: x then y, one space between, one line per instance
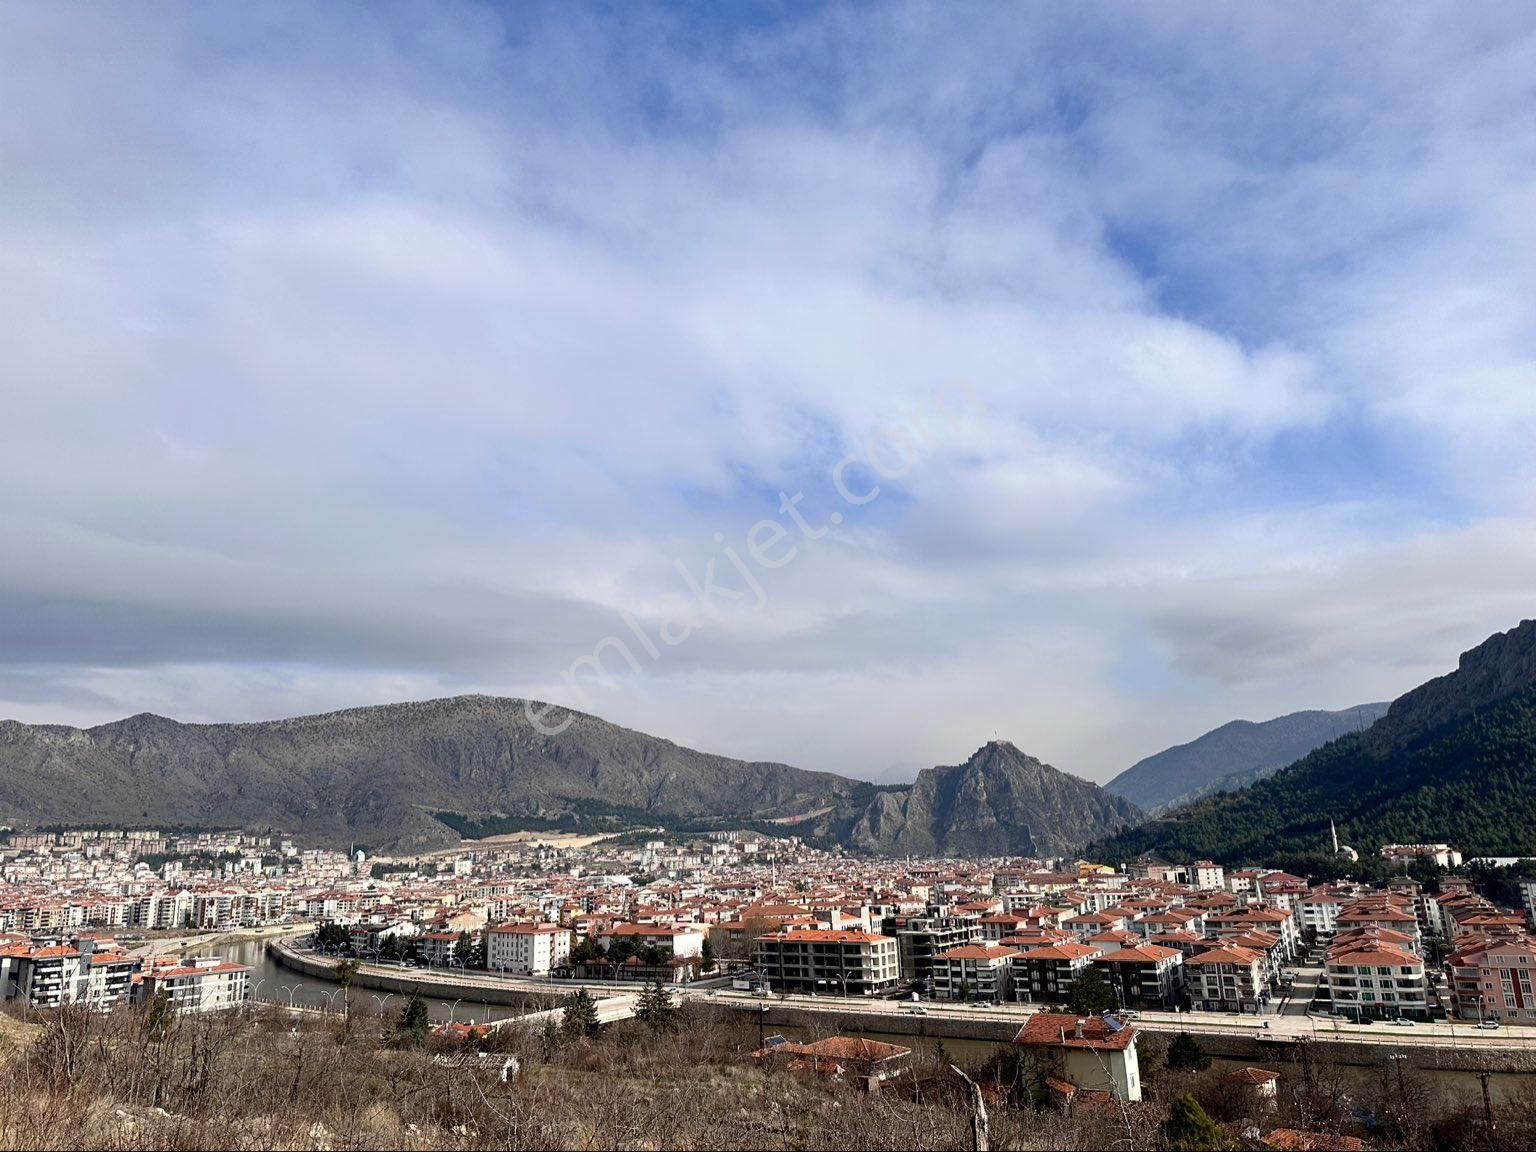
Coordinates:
1488 1024
1403 1022
915 1011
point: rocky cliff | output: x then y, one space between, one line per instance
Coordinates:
1000 801
1496 669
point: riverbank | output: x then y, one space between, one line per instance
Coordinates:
172 942
437 983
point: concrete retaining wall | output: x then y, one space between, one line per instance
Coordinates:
1247 1048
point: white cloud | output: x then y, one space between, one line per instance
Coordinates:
398 352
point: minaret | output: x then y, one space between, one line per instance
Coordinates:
1334 832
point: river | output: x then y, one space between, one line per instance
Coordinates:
271 981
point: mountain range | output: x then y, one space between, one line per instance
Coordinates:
1453 761
1234 755
408 777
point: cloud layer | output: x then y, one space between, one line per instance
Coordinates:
362 352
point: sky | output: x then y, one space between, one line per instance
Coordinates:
1160 365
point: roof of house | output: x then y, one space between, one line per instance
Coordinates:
1056 1030
1295 1140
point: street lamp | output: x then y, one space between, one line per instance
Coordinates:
290 989
453 1008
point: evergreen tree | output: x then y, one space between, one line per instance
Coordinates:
414 1023
1189 1129
1186 1055
707 956
656 1009
1090 994
464 949
580 1016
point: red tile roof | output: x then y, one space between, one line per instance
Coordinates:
1054 1030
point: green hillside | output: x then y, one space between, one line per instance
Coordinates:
1471 783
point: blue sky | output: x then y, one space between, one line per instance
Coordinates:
361 352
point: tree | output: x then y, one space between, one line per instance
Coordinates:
707 955
1189 1129
580 1016
1186 1055
1090 994
344 973
414 1023
964 991
332 938
549 1039
656 1009
464 949
390 948
161 1018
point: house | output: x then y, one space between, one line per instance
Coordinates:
1296 1140
864 1061
1092 1054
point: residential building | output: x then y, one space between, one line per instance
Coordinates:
199 984
1228 978
973 972
526 949
1148 976
1044 975
1092 1055
819 960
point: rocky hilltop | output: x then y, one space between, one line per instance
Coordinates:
1494 670
998 801
411 776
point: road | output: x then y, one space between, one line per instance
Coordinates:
1287 1026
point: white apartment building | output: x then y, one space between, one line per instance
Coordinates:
675 940
1376 981
1227 979
199 984
1207 876
526 949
